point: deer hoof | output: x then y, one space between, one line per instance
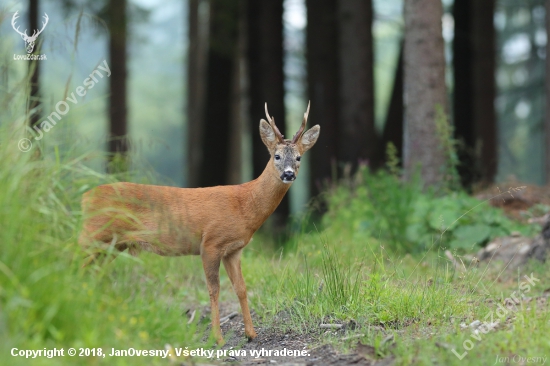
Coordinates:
251 335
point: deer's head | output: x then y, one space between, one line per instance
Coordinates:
29 41
286 154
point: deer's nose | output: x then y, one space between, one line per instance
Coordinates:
288 176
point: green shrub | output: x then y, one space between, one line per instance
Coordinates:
408 218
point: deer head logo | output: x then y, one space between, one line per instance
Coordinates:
29 41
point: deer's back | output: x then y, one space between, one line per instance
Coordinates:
171 220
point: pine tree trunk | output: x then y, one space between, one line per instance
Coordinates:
118 146
266 78
393 126
475 90
484 92
357 139
323 87
547 87
196 88
34 67
239 100
464 127
222 50
424 90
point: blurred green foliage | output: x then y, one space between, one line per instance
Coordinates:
410 219
46 298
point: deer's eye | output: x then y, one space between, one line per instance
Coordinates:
298 158
277 157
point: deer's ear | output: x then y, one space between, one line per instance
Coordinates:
268 135
309 138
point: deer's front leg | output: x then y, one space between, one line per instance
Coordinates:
211 265
232 264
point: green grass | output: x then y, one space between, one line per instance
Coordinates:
336 277
337 274
47 300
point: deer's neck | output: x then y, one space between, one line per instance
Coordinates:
265 194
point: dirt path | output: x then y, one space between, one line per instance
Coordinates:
271 342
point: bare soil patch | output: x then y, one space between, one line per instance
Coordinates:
515 198
271 339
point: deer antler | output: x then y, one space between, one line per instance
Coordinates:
34 34
271 120
15 16
302 127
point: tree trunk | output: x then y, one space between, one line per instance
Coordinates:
266 78
118 131
196 88
357 139
424 90
34 67
322 70
547 89
239 103
222 49
484 87
475 90
393 126
464 127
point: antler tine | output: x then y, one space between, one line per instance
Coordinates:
37 32
267 113
13 19
47 19
303 126
271 120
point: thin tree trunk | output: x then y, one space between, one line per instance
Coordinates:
464 127
34 67
357 139
484 91
475 90
323 86
424 90
265 55
222 49
547 87
235 168
196 87
393 127
118 131
266 78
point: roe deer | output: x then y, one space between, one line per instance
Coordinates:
214 222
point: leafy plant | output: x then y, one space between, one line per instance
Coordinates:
409 219
379 205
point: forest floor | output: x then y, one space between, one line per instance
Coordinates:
271 338
344 346
516 204
382 306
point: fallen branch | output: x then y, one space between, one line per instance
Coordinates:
227 317
331 326
192 317
353 336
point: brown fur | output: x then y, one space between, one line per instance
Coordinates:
214 222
